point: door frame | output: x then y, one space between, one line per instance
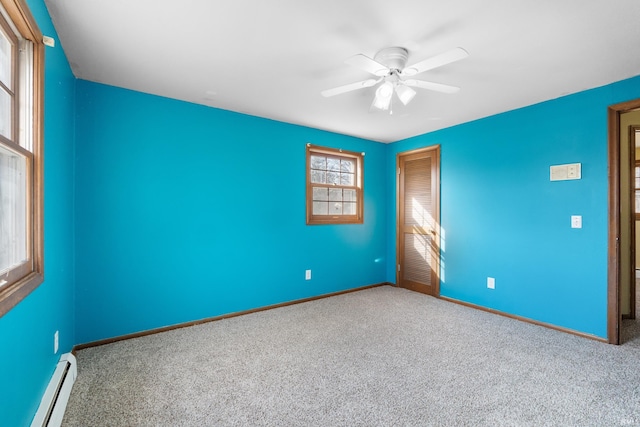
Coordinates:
436 211
614 314
633 130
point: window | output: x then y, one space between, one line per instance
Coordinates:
334 186
21 69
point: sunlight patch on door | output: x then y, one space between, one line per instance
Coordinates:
427 233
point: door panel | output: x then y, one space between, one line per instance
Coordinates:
418 221
416 251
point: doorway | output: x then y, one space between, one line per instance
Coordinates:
621 264
418 220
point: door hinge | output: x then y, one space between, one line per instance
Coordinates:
398 267
398 171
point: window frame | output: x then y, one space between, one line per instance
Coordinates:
358 218
23 279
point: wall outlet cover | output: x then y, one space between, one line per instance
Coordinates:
576 221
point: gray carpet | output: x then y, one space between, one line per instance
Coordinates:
378 357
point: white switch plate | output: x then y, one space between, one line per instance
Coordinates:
55 343
576 221
307 275
491 283
49 41
565 172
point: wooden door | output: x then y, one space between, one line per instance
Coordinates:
418 221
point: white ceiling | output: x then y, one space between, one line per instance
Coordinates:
272 58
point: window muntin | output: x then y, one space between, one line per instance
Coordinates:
21 80
334 186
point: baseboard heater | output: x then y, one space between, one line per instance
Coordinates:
54 402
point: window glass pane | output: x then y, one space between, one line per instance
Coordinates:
347 179
6 124
637 202
333 178
6 53
335 194
349 208
318 162
320 208
13 208
336 208
333 164
318 177
347 166
349 195
320 193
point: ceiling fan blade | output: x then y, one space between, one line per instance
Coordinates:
367 64
438 87
348 88
445 58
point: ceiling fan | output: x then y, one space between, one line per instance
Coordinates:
389 67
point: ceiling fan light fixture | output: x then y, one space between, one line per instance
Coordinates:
385 90
405 93
383 96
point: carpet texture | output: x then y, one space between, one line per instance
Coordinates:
378 357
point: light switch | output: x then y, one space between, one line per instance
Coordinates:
576 221
573 171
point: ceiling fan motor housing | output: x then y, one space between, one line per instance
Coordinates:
395 58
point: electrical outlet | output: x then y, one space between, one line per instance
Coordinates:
576 221
307 275
55 343
491 283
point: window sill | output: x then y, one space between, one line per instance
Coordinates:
12 294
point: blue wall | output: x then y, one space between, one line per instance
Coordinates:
26 332
164 212
181 212
503 218
185 212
